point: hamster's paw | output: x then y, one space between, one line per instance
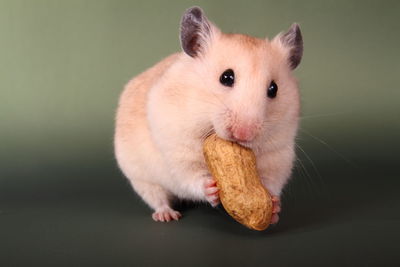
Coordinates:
211 192
276 202
166 214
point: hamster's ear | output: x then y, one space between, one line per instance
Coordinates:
195 32
292 41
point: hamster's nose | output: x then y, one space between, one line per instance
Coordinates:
243 133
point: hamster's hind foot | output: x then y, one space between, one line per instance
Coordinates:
166 214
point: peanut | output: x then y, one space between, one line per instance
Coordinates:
240 189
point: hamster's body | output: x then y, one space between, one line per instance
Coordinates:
165 113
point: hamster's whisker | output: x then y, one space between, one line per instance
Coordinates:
270 121
311 162
304 172
207 134
322 115
202 100
329 147
220 100
315 184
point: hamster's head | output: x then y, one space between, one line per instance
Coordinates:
246 83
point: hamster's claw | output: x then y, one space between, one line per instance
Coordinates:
276 202
211 192
166 215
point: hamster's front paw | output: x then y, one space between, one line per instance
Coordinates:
211 192
276 202
166 214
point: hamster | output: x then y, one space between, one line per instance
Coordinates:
240 87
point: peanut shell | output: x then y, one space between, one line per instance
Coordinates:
240 189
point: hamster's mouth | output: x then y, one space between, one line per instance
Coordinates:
211 131
247 144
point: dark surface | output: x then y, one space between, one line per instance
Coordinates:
89 216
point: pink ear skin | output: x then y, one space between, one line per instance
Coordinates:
195 29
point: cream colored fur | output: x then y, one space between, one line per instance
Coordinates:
165 113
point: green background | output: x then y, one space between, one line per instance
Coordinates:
63 200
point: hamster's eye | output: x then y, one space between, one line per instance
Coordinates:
272 90
227 78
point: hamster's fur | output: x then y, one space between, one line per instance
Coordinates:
165 113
